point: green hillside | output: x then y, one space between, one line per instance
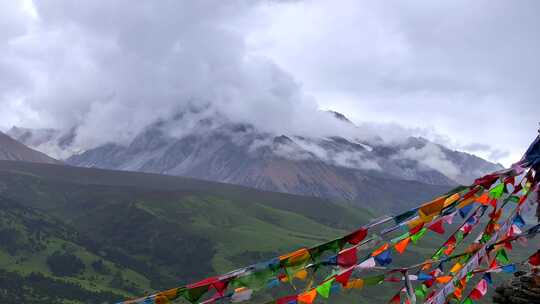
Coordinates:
135 236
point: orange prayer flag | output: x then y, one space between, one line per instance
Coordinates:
307 297
301 275
466 202
402 245
160 299
451 199
415 222
357 284
381 249
433 207
483 199
458 292
443 279
296 258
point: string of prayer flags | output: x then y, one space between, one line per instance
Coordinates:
485 191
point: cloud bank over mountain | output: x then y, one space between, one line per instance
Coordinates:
113 68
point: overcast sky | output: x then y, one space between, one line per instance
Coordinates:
463 73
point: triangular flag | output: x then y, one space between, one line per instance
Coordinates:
475 295
416 237
401 246
465 210
518 221
424 277
509 268
344 277
482 287
307 297
416 229
324 288
497 191
347 257
483 199
287 300
380 250
357 284
384 258
468 301
534 260
356 237
443 279
396 299
437 227
367 264
502 257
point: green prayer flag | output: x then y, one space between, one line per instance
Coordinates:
255 280
333 246
514 198
439 253
469 276
375 280
486 237
400 238
502 257
405 216
468 301
418 235
459 236
497 191
421 291
324 288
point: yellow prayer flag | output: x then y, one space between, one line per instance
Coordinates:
356 284
301 275
456 267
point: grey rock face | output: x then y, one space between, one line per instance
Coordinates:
523 289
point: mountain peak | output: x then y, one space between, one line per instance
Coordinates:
340 116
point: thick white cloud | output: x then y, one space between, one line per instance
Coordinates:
466 70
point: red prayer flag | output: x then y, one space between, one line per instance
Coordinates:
534 260
475 295
347 257
344 277
487 180
437 227
416 229
510 180
396 299
356 237
286 300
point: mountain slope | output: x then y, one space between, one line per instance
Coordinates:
10 149
334 168
134 232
